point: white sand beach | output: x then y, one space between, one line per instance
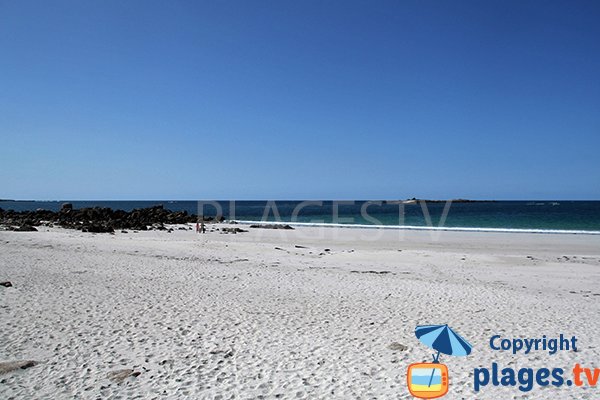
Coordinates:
310 313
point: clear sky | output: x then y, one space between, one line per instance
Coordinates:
299 99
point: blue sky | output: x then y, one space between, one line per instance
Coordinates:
299 99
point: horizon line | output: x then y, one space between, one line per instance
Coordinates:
308 199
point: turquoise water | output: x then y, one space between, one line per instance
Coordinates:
544 216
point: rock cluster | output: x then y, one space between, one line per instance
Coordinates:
96 219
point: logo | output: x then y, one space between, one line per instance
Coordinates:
527 378
427 380
430 380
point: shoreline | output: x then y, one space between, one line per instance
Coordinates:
105 219
420 228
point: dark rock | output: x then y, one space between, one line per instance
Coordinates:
6 284
233 230
271 226
66 207
97 219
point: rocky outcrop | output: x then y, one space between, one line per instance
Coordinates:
96 219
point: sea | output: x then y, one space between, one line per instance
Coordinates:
576 217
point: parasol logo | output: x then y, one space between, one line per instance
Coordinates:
429 380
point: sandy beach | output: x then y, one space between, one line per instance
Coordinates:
310 313
431 168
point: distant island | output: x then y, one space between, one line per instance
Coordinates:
414 200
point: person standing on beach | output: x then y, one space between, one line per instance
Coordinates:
202 227
197 227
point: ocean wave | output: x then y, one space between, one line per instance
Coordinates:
424 228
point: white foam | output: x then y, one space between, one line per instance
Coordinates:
424 228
